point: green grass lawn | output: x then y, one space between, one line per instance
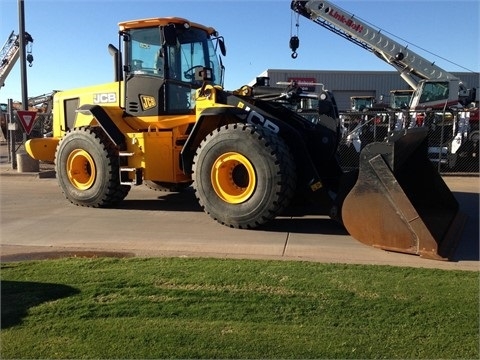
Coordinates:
211 308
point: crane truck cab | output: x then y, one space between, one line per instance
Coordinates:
400 99
361 103
441 94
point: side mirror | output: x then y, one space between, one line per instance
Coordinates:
117 62
170 35
223 49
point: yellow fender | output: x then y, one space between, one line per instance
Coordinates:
42 148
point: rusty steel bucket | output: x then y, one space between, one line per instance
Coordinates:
400 202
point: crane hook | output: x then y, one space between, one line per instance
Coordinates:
29 41
30 60
294 44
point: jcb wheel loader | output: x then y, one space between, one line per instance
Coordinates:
166 121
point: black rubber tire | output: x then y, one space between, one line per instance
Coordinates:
95 181
272 167
165 186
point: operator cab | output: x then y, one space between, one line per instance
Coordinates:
165 61
436 94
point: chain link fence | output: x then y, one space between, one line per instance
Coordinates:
452 139
453 135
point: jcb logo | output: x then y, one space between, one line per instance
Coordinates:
148 102
256 118
102 98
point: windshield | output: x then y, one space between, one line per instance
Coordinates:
361 103
399 101
194 49
433 91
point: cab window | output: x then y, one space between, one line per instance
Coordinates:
434 91
145 56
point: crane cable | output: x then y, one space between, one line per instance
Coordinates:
294 40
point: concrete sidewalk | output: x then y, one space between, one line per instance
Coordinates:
7 167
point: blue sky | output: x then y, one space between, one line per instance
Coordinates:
71 36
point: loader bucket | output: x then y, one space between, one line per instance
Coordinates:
399 201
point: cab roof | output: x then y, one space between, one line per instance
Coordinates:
153 22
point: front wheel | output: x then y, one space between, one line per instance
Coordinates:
243 176
87 169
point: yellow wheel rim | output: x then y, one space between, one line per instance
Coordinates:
81 169
233 178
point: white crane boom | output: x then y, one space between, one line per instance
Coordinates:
10 52
343 23
8 56
434 87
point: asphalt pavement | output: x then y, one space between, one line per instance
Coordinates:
37 222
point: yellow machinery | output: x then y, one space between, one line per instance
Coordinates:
167 121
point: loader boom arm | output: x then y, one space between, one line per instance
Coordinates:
341 22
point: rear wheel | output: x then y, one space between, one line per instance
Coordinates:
87 169
243 176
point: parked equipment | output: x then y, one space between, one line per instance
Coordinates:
167 121
41 105
435 88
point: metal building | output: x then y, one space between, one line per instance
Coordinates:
345 84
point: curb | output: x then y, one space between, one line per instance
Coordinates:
40 174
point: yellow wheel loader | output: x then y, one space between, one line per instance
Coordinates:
166 121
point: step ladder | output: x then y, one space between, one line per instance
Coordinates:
125 171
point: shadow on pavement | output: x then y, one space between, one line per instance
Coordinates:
178 201
302 225
294 219
468 247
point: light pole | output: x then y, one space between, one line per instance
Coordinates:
22 53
